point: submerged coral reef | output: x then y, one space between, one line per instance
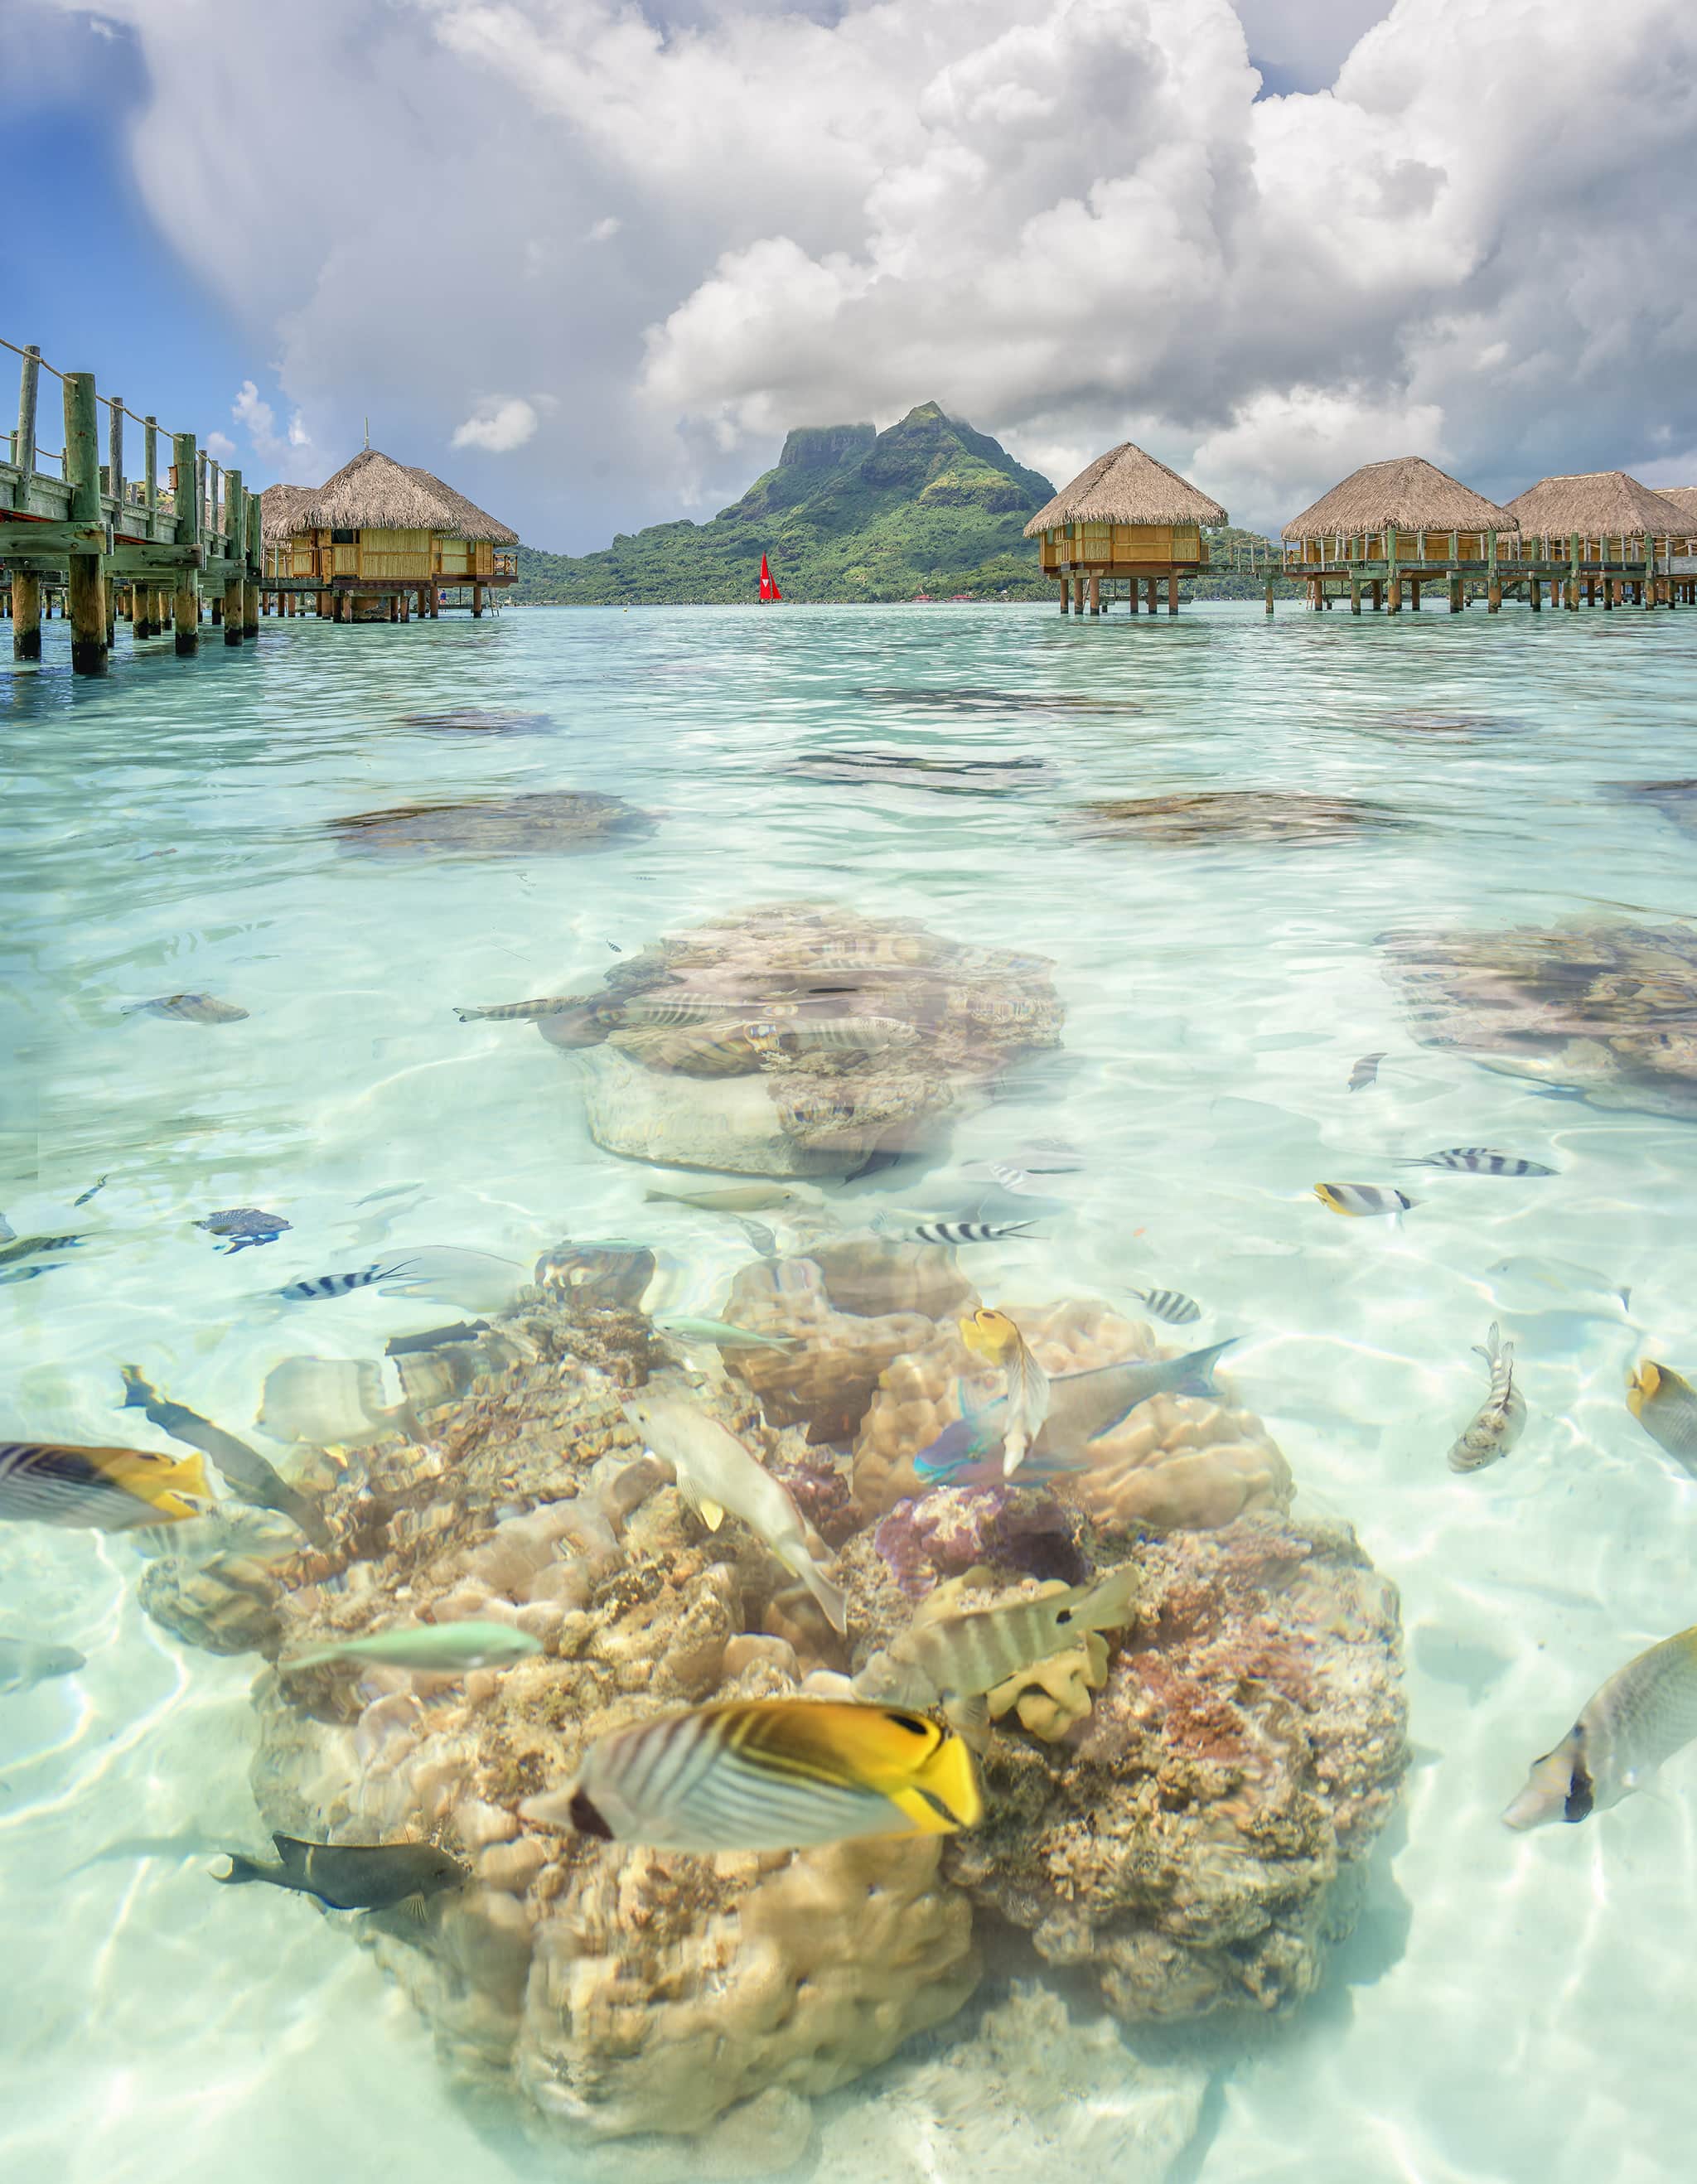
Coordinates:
1607 1009
546 822
1212 815
797 1040
1170 1808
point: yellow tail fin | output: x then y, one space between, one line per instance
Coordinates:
944 1795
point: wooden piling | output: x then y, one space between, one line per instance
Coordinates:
478 599
254 537
1269 595
26 614
1172 592
186 601
87 585
1457 603
1535 595
29 381
1377 585
1095 593
1354 595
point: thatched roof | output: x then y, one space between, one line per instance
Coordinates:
1684 498
374 493
1405 493
279 508
1596 504
1127 486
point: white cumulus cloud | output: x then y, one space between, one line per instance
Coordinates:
497 425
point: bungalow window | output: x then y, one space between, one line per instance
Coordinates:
344 537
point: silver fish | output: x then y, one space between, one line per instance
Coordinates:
23 1662
99 1184
962 1656
759 1235
1357 1199
1365 1072
1644 1714
550 1005
688 1328
246 1472
1172 1306
1479 1160
716 1473
733 1198
190 1008
441 1649
1497 1424
949 1232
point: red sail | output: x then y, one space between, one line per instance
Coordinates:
768 589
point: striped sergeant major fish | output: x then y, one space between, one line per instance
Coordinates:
767 1775
1498 1423
954 1660
1478 1160
1172 1306
1356 1199
1365 1072
477 1281
949 1232
108 1489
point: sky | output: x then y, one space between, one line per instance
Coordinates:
590 259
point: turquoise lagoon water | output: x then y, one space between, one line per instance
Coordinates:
1511 2007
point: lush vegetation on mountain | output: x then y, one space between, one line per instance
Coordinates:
848 514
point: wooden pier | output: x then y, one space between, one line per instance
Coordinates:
111 547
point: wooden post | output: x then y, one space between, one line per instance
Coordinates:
1137 600
150 461
88 623
186 603
1172 592
436 601
1413 585
1396 582
1096 591
1572 587
1535 595
29 378
26 614
253 532
1375 586
477 599
1354 594
1269 595
1456 601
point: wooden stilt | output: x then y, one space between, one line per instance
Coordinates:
436 601
230 607
1269 595
1493 594
1535 595
26 614
255 555
1395 599
1413 585
1095 593
186 599
1455 598
478 599
1137 600
1376 585
89 625
1172 593
1354 595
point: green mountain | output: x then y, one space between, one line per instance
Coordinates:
848 514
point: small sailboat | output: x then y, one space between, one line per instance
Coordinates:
769 591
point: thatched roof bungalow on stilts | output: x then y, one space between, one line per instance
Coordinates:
1605 535
1128 516
378 535
1401 521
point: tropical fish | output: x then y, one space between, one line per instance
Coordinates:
1036 1157
949 1232
109 1489
330 1402
1644 1714
477 1281
552 1005
1665 1404
350 1877
99 1184
434 1338
1082 1406
993 1336
246 1225
1359 1198
189 1008
735 1198
245 1471
1565 1276
31 1247
1365 1072
1479 1160
847 1035
441 1649
1498 1422
759 1235
716 1473
23 1663
767 1775
1172 1306
941 1658
688 1328
971 1469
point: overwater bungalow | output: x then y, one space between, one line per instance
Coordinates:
1126 518
1613 539
1395 524
378 538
